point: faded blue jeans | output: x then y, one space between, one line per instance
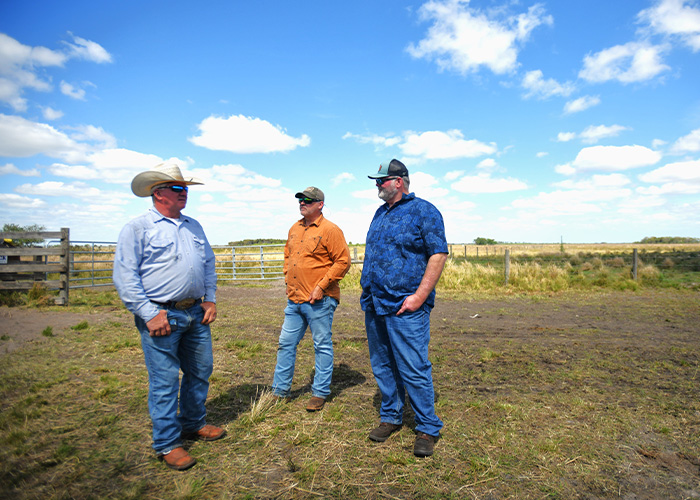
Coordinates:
187 348
398 352
319 318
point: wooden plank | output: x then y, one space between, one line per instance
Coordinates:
35 267
26 285
29 251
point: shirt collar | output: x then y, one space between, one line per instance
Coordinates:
157 216
317 222
404 198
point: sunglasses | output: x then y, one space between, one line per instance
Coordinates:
307 201
382 180
175 189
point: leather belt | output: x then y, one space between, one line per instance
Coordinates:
180 305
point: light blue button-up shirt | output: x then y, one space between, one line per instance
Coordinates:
162 259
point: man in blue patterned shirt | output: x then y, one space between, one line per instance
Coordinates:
164 271
405 253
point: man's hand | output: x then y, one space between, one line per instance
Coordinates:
430 278
209 312
158 326
316 294
410 304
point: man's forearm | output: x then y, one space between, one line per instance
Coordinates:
433 270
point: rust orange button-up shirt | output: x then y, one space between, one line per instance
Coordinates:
315 255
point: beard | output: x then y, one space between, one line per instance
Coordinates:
387 193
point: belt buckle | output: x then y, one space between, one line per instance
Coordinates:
184 304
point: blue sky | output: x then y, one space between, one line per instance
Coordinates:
521 121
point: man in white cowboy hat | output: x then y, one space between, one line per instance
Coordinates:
164 273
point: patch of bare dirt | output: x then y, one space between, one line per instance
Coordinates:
19 326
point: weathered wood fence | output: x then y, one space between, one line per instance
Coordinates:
22 267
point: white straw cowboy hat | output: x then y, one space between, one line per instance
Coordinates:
143 183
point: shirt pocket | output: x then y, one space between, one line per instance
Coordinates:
313 245
161 250
198 246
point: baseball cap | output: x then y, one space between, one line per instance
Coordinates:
311 192
391 168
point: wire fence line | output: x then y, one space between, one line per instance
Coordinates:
91 262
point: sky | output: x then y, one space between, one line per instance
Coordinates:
539 122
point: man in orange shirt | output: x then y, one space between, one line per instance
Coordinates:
316 257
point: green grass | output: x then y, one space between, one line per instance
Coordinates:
573 394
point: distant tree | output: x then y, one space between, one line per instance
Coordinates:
23 242
485 241
669 239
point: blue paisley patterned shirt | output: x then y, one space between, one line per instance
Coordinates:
400 241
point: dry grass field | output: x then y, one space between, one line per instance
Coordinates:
576 394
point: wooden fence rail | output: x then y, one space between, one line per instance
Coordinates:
18 274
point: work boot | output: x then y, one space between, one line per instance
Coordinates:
178 459
206 433
382 433
315 404
424 445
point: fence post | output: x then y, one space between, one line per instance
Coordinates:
262 265
635 262
354 254
64 291
233 263
507 265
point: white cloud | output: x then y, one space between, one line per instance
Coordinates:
57 188
366 194
51 114
464 39
685 171
537 86
565 169
341 178
676 18
437 145
594 133
581 104
22 138
16 201
487 164
245 134
72 91
615 158
484 183
234 180
566 136
377 140
629 63
687 144
541 154
431 145
76 171
426 186
596 182
453 175
21 66
571 202
10 169
87 50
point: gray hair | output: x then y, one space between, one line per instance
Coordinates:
406 181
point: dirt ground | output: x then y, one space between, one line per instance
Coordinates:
656 332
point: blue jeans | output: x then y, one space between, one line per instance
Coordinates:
318 317
398 352
187 348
